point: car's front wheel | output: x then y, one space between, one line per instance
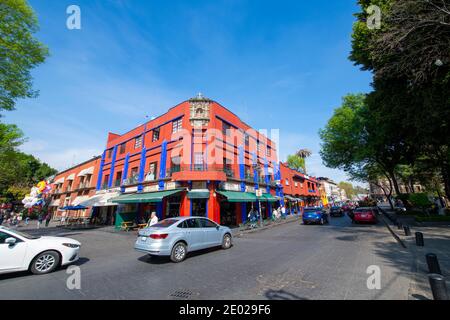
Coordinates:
179 252
226 242
45 262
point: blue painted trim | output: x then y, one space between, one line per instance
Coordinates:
266 173
142 169
244 212
125 171
100 171
162 165
242 167
159 210
190 210
113 163
255 171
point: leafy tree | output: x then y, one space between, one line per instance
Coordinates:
296 162
19 52
18 171
348 188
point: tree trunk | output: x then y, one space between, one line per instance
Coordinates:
394 181
445 171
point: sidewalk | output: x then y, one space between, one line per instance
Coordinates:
437 241
289 219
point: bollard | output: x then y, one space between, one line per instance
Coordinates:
433 264
438 286
407 231
419 239
399 226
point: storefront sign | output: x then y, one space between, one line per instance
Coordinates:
172 185
131 189
227 186
153 188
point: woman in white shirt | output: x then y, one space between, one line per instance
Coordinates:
153 219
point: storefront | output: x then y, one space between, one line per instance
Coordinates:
199 202
138 206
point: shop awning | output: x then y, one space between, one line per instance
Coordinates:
234 196
55 203
290 198
79 200
198 194
151 197
268 197
100 200
59 181
85 172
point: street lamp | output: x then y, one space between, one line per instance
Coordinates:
258 192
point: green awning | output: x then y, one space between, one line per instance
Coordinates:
151 197
268 197
198 194
234 196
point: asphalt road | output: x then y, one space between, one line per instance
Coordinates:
291 261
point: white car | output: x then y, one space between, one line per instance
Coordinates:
40 255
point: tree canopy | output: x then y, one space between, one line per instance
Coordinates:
20 52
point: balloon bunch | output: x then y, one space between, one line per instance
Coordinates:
36 196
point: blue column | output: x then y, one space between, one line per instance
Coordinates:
113 164
244 212
142 169
162 165
125 171
242 167
255 171
100 171
266 175
159 210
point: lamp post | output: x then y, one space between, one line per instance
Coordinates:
258 192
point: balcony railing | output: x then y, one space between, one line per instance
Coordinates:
131 180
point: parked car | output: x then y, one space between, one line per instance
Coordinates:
315 215
175 237
336 212
20 251
365 215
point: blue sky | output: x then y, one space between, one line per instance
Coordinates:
277 64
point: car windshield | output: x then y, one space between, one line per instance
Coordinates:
165 223
22 234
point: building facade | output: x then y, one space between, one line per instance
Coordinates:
198 159
299 190
73 186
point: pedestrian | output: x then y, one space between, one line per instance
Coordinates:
2 216
39 220
47 219
19 219
27 220
274 214
153 219
283 212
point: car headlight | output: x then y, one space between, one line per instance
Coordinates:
71 245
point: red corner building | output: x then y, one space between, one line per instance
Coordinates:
197 159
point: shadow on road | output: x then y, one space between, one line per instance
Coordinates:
163 260
281 295
25 274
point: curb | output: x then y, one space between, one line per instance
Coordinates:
396 237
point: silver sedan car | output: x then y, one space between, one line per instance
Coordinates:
175 237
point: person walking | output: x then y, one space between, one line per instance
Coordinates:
2 216
39 220
48 218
